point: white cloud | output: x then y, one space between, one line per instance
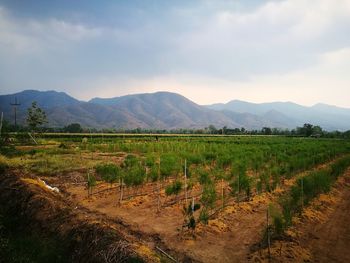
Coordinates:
328 81
278 36
296 50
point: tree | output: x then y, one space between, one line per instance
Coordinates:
317 131
73 128
36 116
212 129
266 131
306 130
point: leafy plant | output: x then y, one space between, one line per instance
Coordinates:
109 172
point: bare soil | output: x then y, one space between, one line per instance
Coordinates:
227 237
138 229
330 240
89 238
321 234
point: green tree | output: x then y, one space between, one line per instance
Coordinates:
73 128
212 129
266 131
36 116
306 130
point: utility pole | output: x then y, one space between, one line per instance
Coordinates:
14 105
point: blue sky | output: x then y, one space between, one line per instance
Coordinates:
208 51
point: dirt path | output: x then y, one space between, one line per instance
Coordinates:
321 234
331 240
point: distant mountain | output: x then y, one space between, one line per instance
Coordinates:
165 110
289 114
161 110
45 99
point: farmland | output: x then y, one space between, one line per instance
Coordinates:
190 198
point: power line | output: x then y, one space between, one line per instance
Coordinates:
14 105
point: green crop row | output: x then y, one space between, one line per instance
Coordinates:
304 191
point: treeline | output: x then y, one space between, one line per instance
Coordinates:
307 130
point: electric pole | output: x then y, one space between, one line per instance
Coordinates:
14 105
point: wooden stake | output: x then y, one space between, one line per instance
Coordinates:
302 193
186 182
268 232
238 190
222 192
121 191
192 205
158 200
88 184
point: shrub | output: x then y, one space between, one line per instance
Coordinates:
174 188
208 196
278 223
204 216
109 172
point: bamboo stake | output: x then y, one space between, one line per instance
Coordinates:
268 232
186 181
302 193
121 191
192 205
158 200
222 192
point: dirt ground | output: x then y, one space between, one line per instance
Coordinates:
227 237
321 234
330 240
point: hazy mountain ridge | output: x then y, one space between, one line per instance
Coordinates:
166 110
290 114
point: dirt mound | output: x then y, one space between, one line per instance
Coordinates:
88 239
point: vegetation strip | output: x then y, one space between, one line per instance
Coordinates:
301 194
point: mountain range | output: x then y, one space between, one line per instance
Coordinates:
165 110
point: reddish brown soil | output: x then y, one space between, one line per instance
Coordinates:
227 237
321 234
89 238
330 241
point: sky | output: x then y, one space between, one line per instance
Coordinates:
208 51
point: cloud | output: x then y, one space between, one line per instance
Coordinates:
273 50
33 36
277 36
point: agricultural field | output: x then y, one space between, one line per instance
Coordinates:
188 198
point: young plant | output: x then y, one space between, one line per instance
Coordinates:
91 182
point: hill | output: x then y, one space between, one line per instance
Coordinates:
166 110
289 114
